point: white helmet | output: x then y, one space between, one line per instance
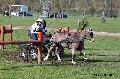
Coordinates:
41 20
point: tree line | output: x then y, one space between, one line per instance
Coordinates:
92 7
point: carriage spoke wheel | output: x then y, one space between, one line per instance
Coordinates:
24 53
28 52
33 53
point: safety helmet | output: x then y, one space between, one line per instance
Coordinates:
41 20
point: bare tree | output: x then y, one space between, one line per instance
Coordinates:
81 6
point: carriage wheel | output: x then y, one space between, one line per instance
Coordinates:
33 53
24 52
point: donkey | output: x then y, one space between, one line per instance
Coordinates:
69 40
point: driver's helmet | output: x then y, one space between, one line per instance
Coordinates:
39 21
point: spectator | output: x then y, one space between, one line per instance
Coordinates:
103 17
6 13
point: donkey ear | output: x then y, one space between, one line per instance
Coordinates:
75 34
90 29
69 34
54 32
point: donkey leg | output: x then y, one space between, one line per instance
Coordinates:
59 59
57 53
73 52
49 50
83 52
82 48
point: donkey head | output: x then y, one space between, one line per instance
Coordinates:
89 34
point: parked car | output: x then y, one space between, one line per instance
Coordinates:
29 14
57 15
14 14
21 13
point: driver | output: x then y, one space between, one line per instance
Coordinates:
38 26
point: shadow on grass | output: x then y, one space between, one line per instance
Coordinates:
66 60
97 60
102 55
16 67
100 49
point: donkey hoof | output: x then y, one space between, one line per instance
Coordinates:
45 59
59 60
82 54
85 59
73 62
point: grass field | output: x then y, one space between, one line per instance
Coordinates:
104 63
103 54
111 24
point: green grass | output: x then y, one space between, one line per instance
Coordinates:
16 21
111 25
58 72
103 54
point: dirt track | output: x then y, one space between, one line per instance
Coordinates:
96 33
107 34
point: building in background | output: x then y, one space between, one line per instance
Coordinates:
20 10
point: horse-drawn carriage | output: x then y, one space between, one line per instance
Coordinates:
57 42
28 52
